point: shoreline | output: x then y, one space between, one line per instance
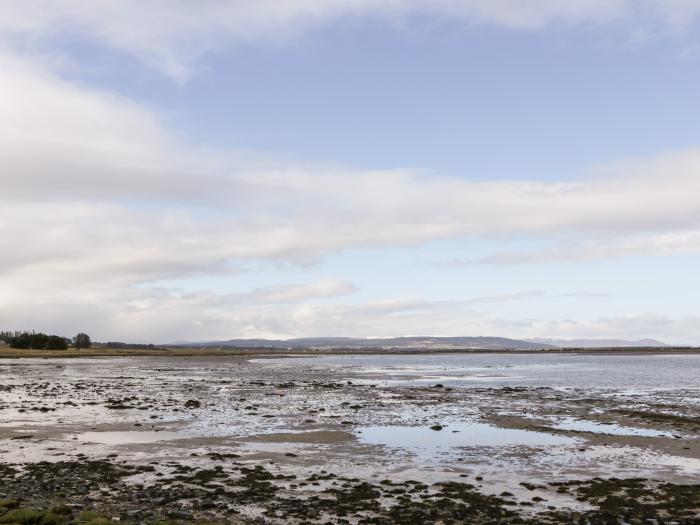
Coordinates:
231 441
12 353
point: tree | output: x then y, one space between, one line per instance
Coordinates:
56 342
39 341
82 341
21 340
34 340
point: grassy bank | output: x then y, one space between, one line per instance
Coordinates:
123 352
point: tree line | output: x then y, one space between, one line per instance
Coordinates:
41 341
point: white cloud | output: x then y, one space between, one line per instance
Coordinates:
681 330
159 315
98 197
299 310
669 243
171 35
291 293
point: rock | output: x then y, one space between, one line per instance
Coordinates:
181 515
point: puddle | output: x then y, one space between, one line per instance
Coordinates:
457 435
581 425
128 437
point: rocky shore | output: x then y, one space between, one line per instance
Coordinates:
227 440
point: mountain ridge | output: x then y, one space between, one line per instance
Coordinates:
426 343
412 342
599 343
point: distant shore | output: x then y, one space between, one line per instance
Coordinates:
9 353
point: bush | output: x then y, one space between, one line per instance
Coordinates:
34 340
23 516
56 342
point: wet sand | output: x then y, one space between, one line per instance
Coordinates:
235 439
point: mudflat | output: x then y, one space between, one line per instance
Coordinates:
477 438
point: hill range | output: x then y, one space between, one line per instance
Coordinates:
423 343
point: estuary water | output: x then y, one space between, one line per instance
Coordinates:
617 371
505 416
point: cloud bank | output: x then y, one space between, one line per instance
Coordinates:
100 200
90 168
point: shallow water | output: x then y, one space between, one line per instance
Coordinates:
629 372
369 414
581 425
127 437
461 434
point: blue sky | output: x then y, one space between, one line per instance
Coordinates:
365 168
479 102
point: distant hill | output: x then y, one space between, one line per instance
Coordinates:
599 343
419 343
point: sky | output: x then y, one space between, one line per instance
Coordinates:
190 171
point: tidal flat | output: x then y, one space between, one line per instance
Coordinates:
370 439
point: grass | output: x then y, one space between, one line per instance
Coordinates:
6 352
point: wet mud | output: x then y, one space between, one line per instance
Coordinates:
235 440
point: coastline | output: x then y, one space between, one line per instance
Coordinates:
173 351
230 440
